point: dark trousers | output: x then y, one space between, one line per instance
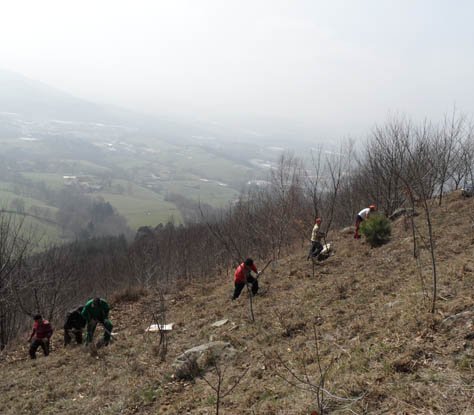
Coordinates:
239 286
359 220
315 249
44 343
91 329
67 335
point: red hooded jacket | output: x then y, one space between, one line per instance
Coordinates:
241 272
42 329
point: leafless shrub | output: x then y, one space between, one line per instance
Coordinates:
300 372
288 327
159 318
128 294
218 384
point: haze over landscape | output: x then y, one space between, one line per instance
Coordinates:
156 153
238 80
318 68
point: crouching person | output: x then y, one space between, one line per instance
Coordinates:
40 336
96 311
74 325
242 276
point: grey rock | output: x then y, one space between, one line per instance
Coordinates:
408 212
464 315
220 323
196 360
392 304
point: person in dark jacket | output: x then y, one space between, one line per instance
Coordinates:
242 276
96 311
40 336
74 324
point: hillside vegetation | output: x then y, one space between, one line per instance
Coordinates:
361 323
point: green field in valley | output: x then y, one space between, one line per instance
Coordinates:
139 178
141 206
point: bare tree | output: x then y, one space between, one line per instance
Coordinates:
466 151
314 181
158 317
15 242
419 178
338 165
287 196
446 143
45 284
384 157
218 386
301 376
143 260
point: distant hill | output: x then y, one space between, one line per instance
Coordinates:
36 101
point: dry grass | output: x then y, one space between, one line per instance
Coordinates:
370 308
128 294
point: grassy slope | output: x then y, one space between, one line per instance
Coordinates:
369 312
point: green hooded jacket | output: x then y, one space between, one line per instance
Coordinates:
91 312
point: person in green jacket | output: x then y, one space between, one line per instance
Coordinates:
96 311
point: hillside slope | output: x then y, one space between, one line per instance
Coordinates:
379 348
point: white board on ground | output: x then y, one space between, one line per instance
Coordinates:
160 327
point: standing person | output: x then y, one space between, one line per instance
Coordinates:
40 336
74 324
96 311
362 215
316 235
242 276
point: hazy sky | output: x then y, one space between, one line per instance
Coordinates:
331 65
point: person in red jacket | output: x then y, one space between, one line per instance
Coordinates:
40 336
242 276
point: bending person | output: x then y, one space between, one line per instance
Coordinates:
96 311
242 276
361 216
74 325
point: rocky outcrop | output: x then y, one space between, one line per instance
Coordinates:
408 212
195 361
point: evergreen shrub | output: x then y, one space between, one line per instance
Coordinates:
376 229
